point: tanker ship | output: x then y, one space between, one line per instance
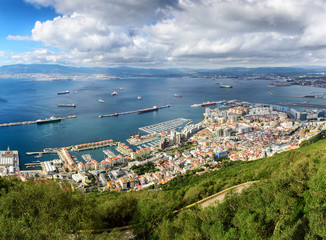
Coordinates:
154 108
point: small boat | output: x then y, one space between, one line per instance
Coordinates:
114 93
177 95
101 101
139 98
225 86
64 92
67 105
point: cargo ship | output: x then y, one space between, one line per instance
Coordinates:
154 108
208 104
64 92
177 95
225 86
48 120
67 105
114 93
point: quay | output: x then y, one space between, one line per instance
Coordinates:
46 150
33 164
31 122
130 112
308 105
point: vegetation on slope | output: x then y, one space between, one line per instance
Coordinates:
288 204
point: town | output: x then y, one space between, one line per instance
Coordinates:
232 131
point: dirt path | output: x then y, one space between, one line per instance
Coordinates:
219 197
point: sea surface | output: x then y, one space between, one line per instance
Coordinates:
24 100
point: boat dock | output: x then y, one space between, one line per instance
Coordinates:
31 122
130 112
165 126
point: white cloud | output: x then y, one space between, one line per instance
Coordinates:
19 38
184 32
41 56
2 53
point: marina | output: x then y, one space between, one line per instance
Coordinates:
130 112
165 126
32 122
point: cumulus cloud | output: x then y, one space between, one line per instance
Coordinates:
183 32
41 56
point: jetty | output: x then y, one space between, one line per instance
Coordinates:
31 122
130 112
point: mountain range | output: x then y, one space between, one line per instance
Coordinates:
129 71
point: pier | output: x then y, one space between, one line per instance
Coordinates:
31 122
130 112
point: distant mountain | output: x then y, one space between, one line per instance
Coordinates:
54 68
129 71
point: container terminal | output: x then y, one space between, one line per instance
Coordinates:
304 104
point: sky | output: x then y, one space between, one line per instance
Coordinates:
163 33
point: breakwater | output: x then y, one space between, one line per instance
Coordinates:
31 122
130 112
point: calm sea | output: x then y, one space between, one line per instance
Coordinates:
23 100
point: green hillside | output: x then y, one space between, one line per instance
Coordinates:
288 203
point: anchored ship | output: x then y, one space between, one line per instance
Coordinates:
67 105
48 120
154 108
225 86
208 104
64 92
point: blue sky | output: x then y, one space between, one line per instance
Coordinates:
163 33
17 18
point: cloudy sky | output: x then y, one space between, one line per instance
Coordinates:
163 33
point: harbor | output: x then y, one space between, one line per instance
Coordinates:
135 111
32 122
